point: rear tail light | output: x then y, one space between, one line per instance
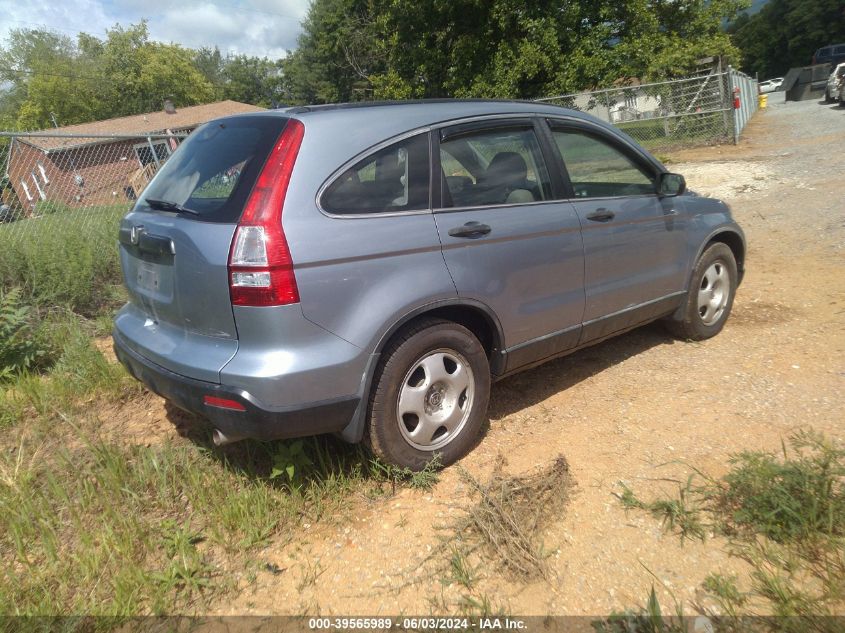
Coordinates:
260 264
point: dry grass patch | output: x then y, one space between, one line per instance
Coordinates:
506 521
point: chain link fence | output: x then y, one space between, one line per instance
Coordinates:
81 178
667 115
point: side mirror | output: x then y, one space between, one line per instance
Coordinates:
670 185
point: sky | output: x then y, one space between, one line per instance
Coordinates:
266 28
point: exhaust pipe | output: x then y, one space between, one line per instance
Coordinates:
220 439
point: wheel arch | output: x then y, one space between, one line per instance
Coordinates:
730 237
477 317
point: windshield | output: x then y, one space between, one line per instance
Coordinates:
212 172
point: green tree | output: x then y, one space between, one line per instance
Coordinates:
252 80
498 48
45 75
338 53
51 75
786 33
141 74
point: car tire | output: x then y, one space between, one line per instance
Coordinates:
710 297
430 395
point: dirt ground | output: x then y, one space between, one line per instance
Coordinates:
635 409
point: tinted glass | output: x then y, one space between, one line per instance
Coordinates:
393 179
213 170
489 167
597 169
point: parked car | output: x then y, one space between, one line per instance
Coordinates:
841 95
368 270
770 85
834 82
833 54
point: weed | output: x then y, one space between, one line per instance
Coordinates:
786 499
463 571
310 574
681 512
646 619
20 350
424 479
291 460
724 590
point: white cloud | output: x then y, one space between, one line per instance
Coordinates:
267 28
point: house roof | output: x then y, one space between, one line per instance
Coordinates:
139 124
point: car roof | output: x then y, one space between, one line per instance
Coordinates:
390 118
416 113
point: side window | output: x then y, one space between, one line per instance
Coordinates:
494 166
597 169
395 178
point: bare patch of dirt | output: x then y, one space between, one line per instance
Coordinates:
761 313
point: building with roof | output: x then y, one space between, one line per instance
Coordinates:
104 162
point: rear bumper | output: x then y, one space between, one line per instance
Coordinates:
257 421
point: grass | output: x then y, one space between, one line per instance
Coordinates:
684 131
784 514
90 524
93 524
66 259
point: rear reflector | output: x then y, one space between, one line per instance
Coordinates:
223 403
260 264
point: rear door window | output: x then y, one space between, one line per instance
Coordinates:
492 167
391 180
214 169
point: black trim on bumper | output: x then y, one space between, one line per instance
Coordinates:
257 421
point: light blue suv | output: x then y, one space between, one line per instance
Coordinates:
368 270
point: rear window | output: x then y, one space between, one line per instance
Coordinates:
213 170
392 180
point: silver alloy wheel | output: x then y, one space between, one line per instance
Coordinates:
714 292
435 399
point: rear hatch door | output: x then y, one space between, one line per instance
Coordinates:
174 246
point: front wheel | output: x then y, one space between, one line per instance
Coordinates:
710 297
430 395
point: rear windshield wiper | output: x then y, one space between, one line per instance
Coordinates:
166 205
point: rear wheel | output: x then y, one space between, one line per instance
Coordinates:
430 395
710 297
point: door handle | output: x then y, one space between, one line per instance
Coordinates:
471 230
601 215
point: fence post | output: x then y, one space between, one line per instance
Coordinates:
153 152
730 103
